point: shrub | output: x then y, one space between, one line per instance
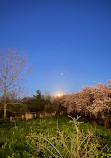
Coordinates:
74 143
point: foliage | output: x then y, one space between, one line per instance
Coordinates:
39 102
66 137
74 144
90 101
14 106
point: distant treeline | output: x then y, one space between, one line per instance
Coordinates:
94 103
39 103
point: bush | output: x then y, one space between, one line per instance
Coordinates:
71 144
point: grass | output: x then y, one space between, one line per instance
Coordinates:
54 137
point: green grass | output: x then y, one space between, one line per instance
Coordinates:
54 137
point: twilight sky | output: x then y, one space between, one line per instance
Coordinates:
68 41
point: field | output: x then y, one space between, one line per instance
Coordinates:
54 137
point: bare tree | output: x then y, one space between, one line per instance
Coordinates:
13 69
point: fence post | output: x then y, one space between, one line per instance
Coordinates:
22 117
10 118
35 115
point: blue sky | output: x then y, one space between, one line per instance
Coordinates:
68 41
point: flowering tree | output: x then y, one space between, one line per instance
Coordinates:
90 101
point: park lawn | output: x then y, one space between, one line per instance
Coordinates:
27 138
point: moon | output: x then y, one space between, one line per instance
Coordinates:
59 94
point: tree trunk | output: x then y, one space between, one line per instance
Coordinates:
107 121
5 103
